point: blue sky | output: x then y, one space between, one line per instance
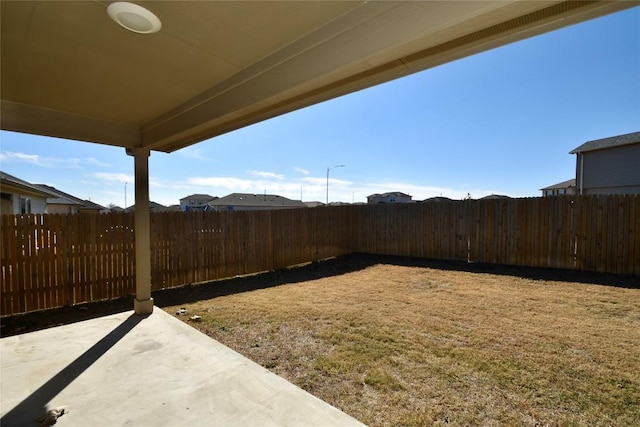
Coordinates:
500 122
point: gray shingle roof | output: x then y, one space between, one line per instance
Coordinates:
199 197
66 198
390 194
563 184
264 200
17 182
438 199
494 197
613 141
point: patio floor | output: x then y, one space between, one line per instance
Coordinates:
152 370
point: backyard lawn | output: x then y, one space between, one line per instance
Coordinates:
403 344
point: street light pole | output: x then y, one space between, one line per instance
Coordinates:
328 169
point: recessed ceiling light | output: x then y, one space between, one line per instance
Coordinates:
134 18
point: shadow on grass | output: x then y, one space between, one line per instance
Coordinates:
331 267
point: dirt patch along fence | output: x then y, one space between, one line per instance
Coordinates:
55 260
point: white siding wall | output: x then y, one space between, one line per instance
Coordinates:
38 204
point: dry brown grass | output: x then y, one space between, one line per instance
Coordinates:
403 345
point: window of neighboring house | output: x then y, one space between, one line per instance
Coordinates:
25 205
562 191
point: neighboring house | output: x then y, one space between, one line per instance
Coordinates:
247 202
563 188
438 199
314 204
64 203
494 197
394 197
195 202
21 197
609 165
153 207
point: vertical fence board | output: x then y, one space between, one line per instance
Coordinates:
634 236
9 261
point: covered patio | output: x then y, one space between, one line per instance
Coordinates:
69 71
170 74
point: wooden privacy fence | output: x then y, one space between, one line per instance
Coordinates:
589 233
54 260
191 247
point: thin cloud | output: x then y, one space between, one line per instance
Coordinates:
302 171
23 157
73 163
323 181
266 174
114 177
192 154
48 162
221 182
95 162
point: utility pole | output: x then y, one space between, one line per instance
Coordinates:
328 169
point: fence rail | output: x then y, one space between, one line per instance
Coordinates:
54 260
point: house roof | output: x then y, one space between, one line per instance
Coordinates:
564 184
613 141
13 182
438 199
494 197
198 197
314 204
67 199
256 200
69 71
153 207
390 194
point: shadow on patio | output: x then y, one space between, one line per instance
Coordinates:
37 401
149 370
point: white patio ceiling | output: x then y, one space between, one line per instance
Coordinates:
69 71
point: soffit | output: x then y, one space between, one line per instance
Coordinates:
68 71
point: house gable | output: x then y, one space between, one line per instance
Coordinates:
391 197
567 187
66 203
21 197
609 165
195 202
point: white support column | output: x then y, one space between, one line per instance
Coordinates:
143 304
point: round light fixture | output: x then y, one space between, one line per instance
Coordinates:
134 18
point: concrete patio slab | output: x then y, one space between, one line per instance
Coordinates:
154 370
